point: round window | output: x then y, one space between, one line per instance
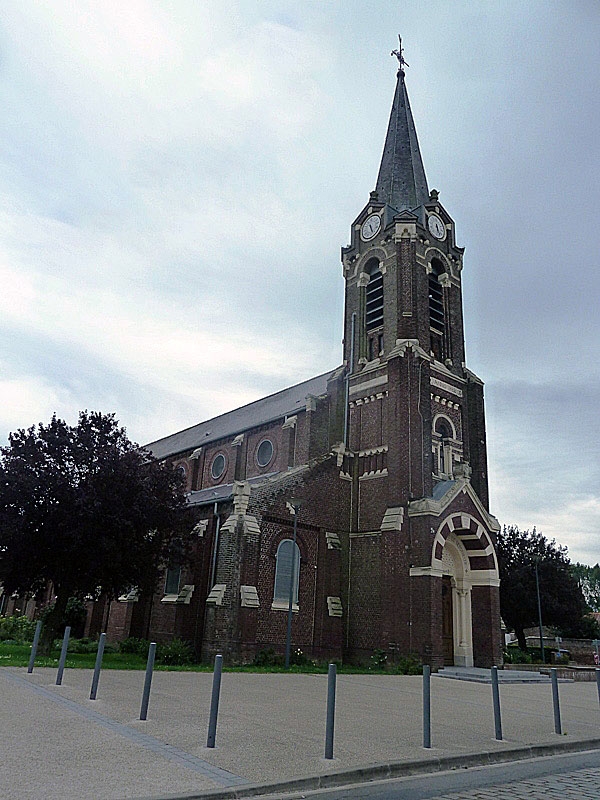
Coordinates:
264 453
217 467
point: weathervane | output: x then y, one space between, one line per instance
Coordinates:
398 53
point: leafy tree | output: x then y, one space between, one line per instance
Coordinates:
84 508
589 580
562 601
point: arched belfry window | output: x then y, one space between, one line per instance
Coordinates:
283 573
374 309
444 448
437 320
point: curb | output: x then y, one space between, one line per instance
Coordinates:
393 769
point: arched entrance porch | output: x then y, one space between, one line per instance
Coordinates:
464 556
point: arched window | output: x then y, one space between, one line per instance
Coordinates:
286 552
437 321
374 314
374 310
445 450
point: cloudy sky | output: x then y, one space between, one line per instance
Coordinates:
176 180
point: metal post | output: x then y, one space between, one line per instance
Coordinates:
148 680
496 696
426 705
331 675
98 667
288 637
597 653
63 656
598 683
214 702
34 646
539 602
557 725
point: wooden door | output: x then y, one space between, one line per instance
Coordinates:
447 625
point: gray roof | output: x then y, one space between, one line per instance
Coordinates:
440 489
214 494
267 409
401 181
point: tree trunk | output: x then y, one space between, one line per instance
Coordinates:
52 623
521 639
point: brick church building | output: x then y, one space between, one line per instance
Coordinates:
381 462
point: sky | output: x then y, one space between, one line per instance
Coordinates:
177 179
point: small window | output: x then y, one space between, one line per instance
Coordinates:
217 468
264 454
172 580
286 552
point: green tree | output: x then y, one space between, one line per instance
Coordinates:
589 580
84 508
562 601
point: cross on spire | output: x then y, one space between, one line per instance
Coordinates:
399 55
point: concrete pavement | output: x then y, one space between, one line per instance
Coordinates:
56 743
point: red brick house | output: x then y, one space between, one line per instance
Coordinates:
395 543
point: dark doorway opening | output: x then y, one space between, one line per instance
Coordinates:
447 624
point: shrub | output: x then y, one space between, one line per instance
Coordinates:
89 646
18 629
298 658
268 658
408 665
175 653
138 647
378 659
514 655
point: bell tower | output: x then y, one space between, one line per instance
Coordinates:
415 425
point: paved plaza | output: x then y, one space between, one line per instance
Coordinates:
59 744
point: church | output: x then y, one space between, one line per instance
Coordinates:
360 496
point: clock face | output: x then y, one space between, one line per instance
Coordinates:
436 226
370 227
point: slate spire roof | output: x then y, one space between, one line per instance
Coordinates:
401 181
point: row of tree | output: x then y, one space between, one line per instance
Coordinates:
567 592
86 510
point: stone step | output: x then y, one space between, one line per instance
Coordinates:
480 675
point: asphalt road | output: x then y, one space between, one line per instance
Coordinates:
566 777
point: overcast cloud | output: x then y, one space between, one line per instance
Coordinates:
176 180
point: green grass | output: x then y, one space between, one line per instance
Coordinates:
17 655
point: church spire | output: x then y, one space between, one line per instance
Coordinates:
401 181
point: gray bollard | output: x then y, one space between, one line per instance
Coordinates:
34 646
148 680
97 667
63 656
598 683
331 677
496 696
555 700
426 705
214 701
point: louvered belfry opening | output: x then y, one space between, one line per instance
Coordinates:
374 310
437 320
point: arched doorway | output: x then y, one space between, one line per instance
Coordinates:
457 629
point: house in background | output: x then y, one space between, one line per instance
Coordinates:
382 461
